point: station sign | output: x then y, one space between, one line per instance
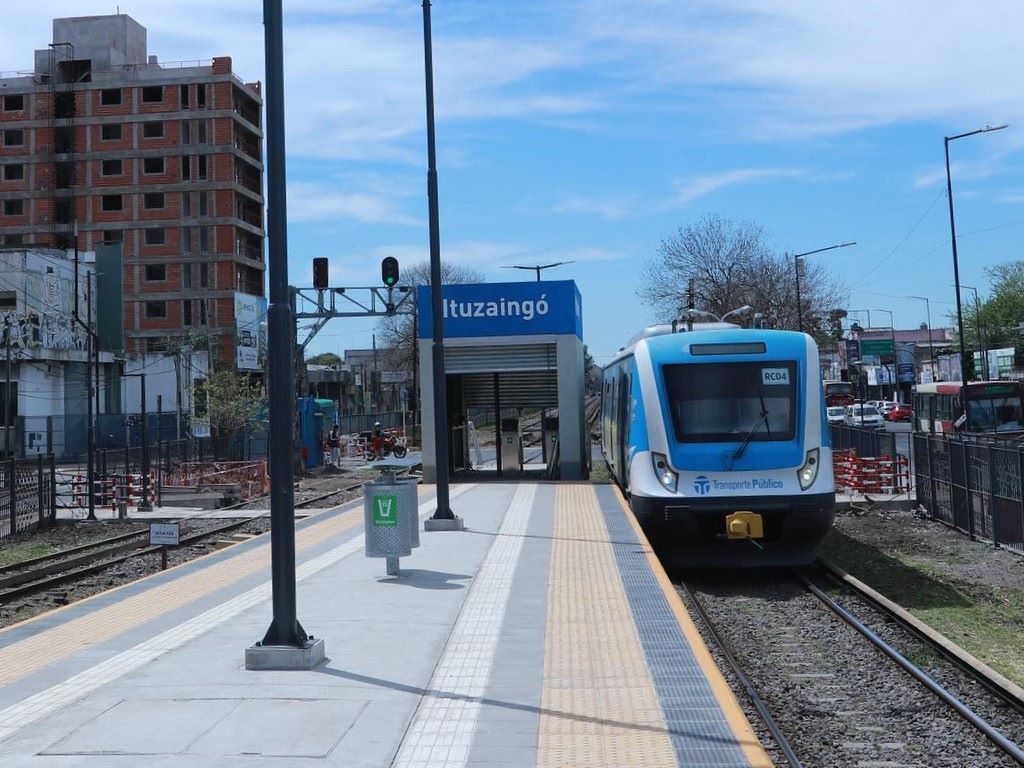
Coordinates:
504 309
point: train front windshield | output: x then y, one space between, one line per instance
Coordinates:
731 402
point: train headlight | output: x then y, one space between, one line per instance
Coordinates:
809 471
666 476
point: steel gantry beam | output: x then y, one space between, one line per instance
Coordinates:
323 304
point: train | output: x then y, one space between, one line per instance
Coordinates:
718 437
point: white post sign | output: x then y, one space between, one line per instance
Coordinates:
164 534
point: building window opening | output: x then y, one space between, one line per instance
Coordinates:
14 102
156 273
156 309
151 200
14 172
152 94
111 168
110 97
155 236
14 138
153 129
111 132
112 203
153 165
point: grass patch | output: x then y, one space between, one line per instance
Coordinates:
16 553
985 621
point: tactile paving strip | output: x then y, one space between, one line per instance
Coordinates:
700 733
599 706
442 730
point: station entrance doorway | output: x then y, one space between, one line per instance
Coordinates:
514 381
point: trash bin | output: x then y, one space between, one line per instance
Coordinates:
511 446
390 518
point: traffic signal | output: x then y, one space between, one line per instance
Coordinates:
389 271
320 279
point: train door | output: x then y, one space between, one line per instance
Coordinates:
622 427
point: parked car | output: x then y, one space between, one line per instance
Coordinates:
836 414
902 412
886 406
863 416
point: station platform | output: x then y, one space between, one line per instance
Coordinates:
546 634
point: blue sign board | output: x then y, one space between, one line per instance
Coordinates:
504 309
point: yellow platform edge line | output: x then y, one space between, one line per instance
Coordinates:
734 714
261 545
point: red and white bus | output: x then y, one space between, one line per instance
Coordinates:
993 407
838 392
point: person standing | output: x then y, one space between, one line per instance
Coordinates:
334 441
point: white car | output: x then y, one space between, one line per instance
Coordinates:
836 414
863 416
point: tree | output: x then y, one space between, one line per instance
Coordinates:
324 358
729 265
1001 314
395 333
234 403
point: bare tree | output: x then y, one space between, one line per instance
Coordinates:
730 265
395 333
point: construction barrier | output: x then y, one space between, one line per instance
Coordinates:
870 474
250 476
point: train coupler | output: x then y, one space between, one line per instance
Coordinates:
744 525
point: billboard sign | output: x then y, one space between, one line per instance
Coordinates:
504 309
250 332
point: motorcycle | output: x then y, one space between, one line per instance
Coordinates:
386 443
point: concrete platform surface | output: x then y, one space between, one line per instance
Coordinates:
542 635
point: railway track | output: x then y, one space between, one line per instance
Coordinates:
40 574
834 682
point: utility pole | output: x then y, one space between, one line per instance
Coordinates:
89 436
7 391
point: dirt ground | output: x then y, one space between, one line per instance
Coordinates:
970 591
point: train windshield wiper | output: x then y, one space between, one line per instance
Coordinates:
762 419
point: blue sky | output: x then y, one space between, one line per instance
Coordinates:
590 130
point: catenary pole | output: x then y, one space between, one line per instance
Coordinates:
284 628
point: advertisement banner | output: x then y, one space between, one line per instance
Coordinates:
852 351
250 332
905 361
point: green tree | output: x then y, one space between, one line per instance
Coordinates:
1001 315
324 358
729 265
234 403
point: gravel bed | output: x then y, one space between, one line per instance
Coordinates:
122 573
837 699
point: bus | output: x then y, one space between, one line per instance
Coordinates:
993 407
838 392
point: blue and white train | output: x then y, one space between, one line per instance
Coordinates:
720 440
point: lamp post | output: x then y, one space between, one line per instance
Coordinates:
956 262
931 349
980 333
796 270
703 313
443 517
538 267
895 367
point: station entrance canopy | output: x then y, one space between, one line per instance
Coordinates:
510 349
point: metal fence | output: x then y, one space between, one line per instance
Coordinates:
866 442
27 494
973 485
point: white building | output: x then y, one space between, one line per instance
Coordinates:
44 363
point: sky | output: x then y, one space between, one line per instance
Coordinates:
590 130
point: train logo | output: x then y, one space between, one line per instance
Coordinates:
701 485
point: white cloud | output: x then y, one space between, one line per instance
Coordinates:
693 189
309 201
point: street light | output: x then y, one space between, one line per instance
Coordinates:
895 367
713 316
796 269
981 335
931 349
956 262
538 267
